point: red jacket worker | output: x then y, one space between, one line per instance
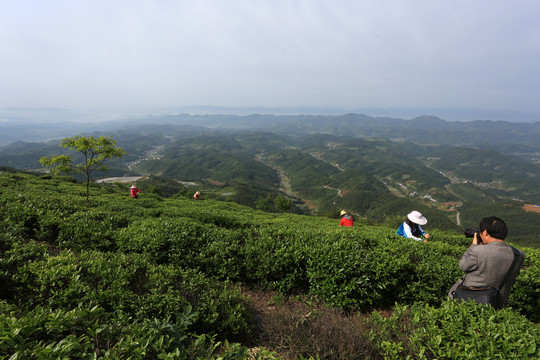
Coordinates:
346 219
134 191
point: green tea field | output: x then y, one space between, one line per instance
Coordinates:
177 278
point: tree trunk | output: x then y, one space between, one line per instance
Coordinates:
87 187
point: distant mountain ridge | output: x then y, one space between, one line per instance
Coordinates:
422 129
448 113
16 125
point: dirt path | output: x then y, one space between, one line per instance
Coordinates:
340 194
123 179
284 184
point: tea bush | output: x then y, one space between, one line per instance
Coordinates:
525 294
187 243
275 259
455 331
93 229
93 333
135 285
341 273
14 255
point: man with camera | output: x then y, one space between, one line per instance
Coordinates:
490 262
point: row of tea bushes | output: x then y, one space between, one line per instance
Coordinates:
127 282
454 331
93 333
358 267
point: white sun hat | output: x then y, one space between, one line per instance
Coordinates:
417 218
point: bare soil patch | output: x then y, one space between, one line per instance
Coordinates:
215 182
531 207
294 328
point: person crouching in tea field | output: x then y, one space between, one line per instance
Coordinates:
412 227
197 195
346 219
134 192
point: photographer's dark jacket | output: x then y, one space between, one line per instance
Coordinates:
487 265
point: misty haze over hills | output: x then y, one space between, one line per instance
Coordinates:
450 114
54 123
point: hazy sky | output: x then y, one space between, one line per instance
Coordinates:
341 53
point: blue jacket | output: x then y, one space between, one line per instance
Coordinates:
405 230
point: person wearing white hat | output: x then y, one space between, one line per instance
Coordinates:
134 192
412 227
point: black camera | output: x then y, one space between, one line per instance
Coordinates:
470 234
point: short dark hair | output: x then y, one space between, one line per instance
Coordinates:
495 227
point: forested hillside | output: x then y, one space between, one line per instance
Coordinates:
177 278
